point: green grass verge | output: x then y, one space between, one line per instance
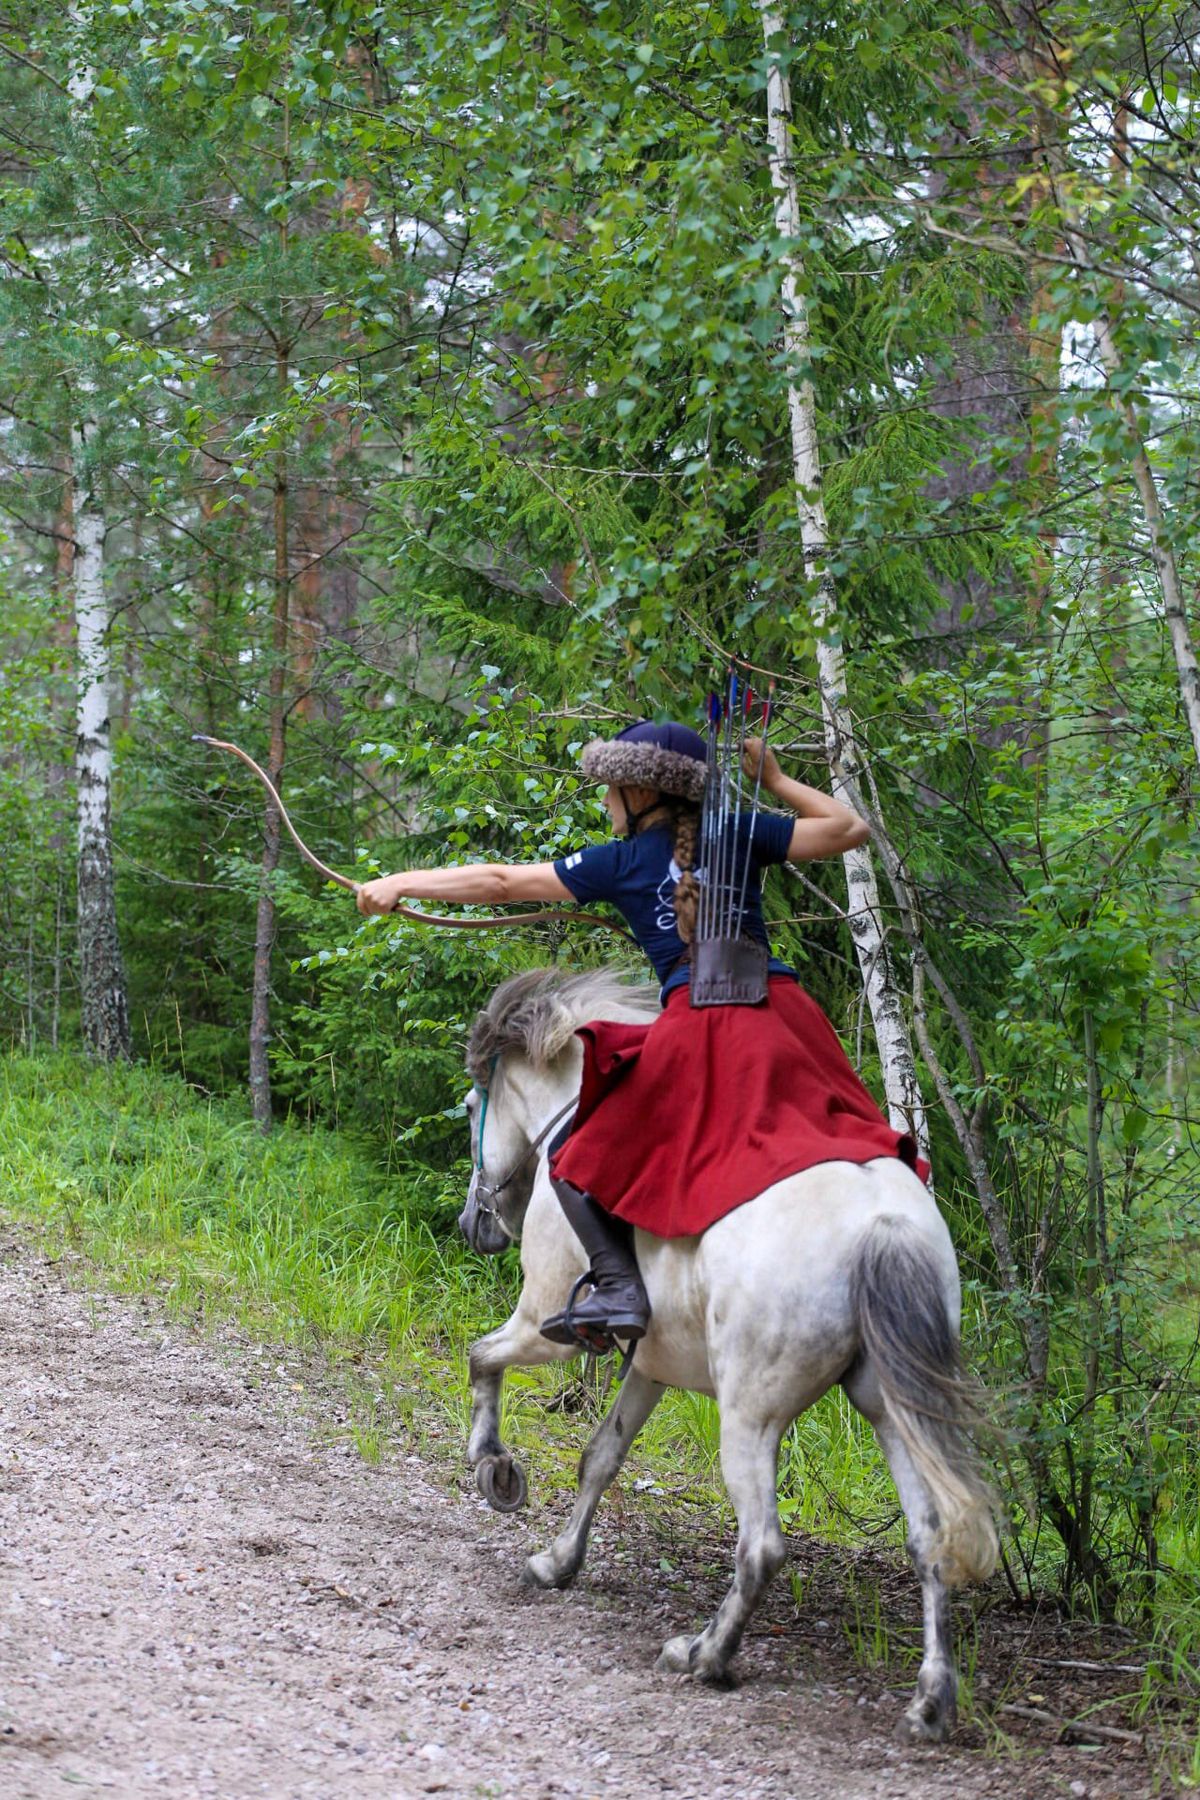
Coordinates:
300 1237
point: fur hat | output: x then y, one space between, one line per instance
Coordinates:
671 758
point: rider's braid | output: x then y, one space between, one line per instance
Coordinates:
687 888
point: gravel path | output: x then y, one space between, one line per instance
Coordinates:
207 1592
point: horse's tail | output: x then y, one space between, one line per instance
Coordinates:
899 1302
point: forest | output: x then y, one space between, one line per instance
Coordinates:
410 394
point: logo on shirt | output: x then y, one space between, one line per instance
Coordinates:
665 898
573 862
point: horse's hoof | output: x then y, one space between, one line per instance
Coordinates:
925 1722
675 1658
723 1678
542 1571
502 1483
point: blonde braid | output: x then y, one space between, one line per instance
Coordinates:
687 888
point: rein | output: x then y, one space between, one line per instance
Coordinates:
496 922
493 1190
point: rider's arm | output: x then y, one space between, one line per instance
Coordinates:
488 884
824 827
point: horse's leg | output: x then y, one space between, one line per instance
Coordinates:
930 1714
610 1444
499 1479
749 1463
551 1257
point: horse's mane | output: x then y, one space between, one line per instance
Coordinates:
537 1012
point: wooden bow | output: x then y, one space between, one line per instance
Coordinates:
562 914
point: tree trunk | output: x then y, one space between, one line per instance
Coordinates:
906 1108
265 922
1000 373
105 1007
56 980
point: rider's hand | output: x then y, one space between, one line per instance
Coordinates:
379 896
771 774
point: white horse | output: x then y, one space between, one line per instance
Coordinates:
843 1273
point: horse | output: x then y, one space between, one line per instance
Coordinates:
841 1273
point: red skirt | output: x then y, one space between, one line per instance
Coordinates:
682 1120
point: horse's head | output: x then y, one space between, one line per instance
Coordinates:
524 1061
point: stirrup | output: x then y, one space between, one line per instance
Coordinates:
565 1328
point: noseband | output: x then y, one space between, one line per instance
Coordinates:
487 1193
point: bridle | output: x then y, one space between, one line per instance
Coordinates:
493 1189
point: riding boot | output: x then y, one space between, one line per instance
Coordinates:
617 1306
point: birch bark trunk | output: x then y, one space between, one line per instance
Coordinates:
906 1107
105 1007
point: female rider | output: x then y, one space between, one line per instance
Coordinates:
682 1120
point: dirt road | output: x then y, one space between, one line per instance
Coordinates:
205 1591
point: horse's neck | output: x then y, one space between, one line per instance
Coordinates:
548 1091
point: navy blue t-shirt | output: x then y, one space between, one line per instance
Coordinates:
638 876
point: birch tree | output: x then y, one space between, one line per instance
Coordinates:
104 1004
105 1010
